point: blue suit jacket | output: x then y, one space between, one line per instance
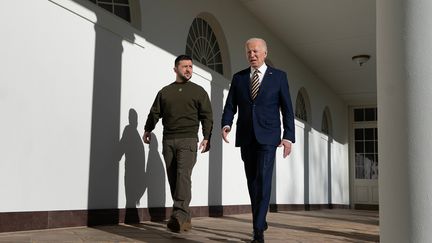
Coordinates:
260 117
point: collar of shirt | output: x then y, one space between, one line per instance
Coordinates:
261 70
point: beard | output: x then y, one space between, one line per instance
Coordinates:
184 78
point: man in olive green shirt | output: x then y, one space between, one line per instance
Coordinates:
182 105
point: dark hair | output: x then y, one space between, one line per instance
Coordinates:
181 58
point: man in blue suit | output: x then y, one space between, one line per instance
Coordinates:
260 94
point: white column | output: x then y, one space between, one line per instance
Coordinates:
404 79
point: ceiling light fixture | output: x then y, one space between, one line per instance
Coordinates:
361 59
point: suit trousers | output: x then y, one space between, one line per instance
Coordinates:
258 163
180 156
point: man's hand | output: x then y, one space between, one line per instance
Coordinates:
287 147
225 132
147 137
204 146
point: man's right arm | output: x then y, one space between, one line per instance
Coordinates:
230 108
152 118
229 111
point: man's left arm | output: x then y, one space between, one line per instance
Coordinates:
286 110
288 136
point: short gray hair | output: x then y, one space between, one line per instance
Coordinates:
257 39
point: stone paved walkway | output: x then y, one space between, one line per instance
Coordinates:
335 225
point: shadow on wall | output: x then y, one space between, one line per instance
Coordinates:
215 154
306 163
131 145
104 170
329 175
155 176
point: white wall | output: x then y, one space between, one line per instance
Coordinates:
66 89
46 106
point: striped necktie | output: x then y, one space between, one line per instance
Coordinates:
255 84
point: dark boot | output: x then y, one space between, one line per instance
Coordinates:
258 236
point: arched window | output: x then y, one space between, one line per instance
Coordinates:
118 7
326 122
300 110
202 45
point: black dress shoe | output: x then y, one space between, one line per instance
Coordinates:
258 237
257 241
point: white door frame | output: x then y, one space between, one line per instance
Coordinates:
362 191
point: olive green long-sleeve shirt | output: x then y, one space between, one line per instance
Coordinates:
181 106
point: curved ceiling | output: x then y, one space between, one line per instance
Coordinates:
325 35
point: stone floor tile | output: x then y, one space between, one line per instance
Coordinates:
335 225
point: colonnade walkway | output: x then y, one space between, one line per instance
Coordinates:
329 225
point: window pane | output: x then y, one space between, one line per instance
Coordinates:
370 114
218 58
369 134
122 12
359 147
324 124
209 33
358 134
368 162
374 168
370 157
219 68
359 166
369 147
358 115
106 6
300 111
122 1
117 7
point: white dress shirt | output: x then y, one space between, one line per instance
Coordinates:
261 72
